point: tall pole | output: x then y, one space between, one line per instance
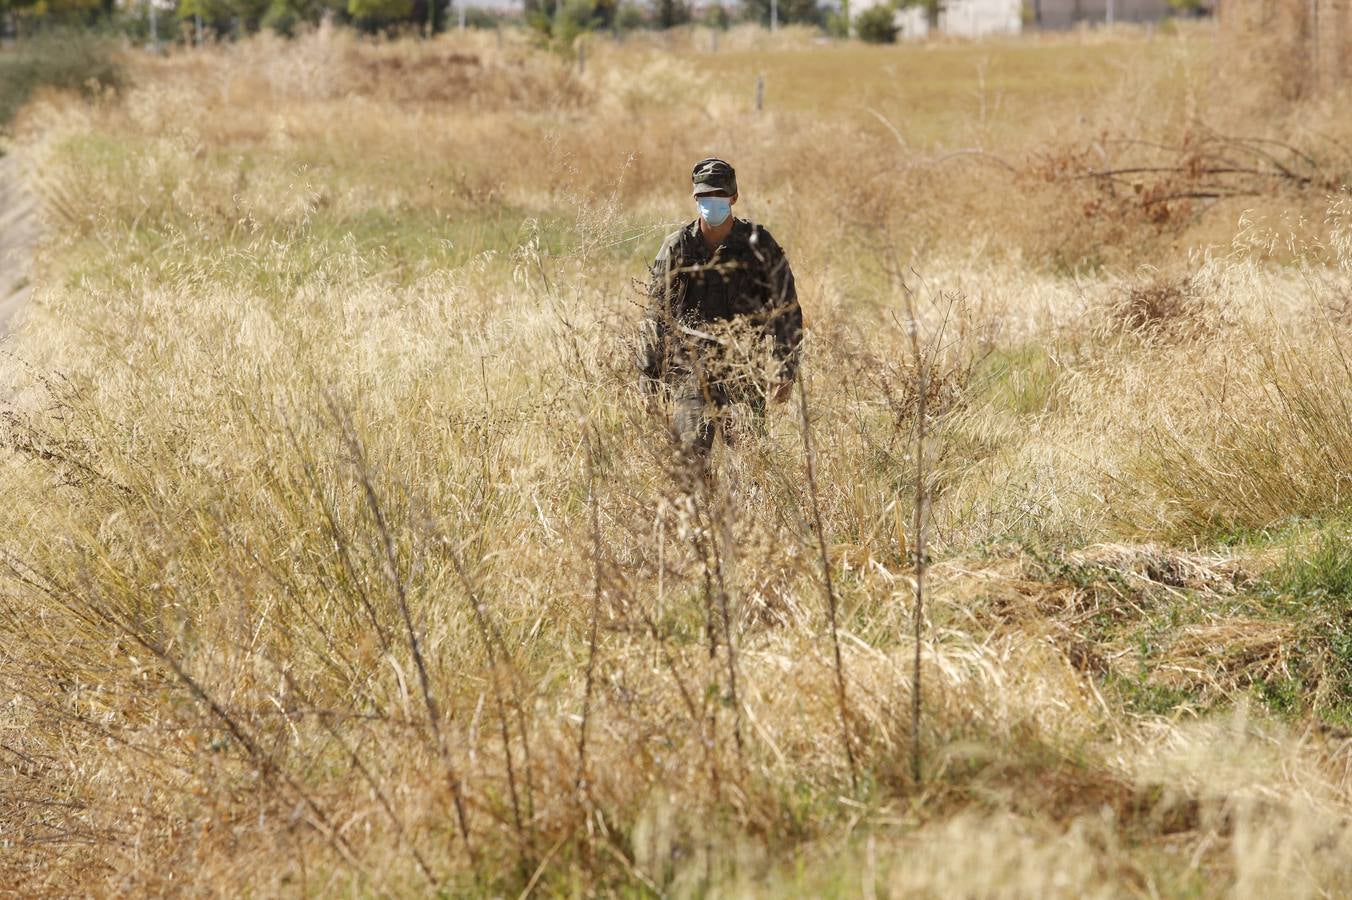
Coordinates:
1109 18
154 43
774 15
461 4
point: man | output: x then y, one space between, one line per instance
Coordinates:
719 288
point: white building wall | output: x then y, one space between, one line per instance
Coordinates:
974 18
912 23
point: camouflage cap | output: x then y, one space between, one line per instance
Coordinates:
713 176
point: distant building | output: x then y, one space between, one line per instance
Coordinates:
977 18
912 23
1069 13
965 18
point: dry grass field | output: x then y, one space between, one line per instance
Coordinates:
340 555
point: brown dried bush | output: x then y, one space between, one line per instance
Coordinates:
1157 306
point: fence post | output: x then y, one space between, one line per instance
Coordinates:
760 92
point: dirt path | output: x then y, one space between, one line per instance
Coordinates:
18 234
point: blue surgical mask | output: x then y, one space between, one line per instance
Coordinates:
714 210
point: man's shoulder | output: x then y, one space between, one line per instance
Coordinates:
757 236
673 244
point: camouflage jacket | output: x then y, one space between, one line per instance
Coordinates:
691 289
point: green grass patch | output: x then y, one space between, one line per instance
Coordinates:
1139 695
69 60
1312 588
1309 596
1286 532
1020 379
277 258
1322 577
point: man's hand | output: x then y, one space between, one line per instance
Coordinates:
781 391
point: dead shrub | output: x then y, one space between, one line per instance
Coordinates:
479 79
1133 189
1158 306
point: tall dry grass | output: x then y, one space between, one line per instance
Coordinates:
341 556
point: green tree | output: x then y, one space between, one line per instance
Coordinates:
877 24
560 22
540 15
285 16
629 16
58 12
671 13
574 18
223 16
716 16
377 14
214 13
429 14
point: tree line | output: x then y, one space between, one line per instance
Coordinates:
552 19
